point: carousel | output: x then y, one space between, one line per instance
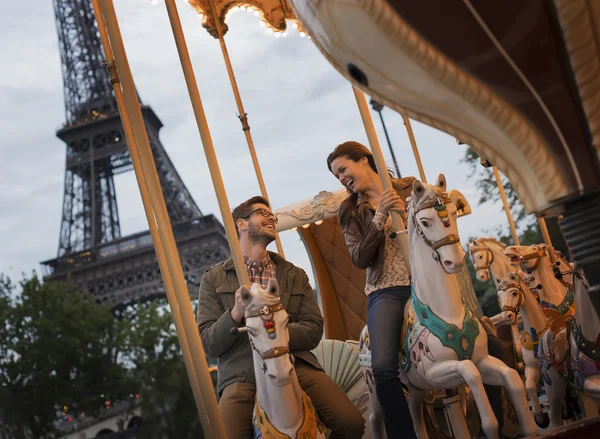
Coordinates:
517 81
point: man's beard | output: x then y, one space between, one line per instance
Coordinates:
257 236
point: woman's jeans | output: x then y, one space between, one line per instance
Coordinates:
384 320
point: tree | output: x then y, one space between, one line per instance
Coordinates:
152 351
60 350
57 349
527 224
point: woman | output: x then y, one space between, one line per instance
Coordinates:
366 221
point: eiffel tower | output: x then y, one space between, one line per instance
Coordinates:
116 269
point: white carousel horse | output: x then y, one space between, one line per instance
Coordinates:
487 256
445 344
515 295
585 342
282 409
553 293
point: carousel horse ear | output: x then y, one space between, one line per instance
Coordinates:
246 295
273 288
462 205
441 182
418 191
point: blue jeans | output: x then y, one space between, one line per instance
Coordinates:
384 320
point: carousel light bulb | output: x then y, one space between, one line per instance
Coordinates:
294 25
270 30
293 229
256 12
284 34
302 34
277 34
318 223
306 226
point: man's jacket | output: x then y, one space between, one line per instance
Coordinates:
233 351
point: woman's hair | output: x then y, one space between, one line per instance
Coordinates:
353 151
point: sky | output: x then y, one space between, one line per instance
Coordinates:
299 108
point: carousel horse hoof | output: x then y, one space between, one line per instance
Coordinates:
542 420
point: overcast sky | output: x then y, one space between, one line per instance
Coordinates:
299 109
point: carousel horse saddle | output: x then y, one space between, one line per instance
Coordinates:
264 429
420 321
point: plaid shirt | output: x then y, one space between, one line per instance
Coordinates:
260 272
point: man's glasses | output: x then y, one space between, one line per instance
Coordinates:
263 212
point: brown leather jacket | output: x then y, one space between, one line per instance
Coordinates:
364 241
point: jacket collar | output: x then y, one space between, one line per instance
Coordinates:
279 262
398 184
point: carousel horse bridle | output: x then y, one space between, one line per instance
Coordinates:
516 285
439 204
266 313
488 261
538 255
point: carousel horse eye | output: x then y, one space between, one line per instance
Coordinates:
425 223
514 294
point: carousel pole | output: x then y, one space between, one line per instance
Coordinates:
413 143
143 187
397 221
509 217
207 144
204 393
243 116
547 240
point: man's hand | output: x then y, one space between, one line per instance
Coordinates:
239 309
389 200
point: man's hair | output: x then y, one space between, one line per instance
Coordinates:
244 209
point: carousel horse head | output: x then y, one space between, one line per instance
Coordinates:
528 257
481 257
433 214
267 327
510 297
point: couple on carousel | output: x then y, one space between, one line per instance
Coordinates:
366 222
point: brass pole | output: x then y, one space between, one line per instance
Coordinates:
158 247
397 221
413 143
243 116
209 149
547 240
511 222
212 423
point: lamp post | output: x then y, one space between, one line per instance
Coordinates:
378 108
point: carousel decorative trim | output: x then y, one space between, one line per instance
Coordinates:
496 110
271 13
322 206
576 20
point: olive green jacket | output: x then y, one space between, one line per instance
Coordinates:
233 351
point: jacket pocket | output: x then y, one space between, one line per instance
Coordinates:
294 305
226 293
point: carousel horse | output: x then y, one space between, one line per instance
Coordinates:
487 255
556 296
444 345
515 295
282 409
568 346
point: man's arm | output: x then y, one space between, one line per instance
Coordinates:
214 322
306 333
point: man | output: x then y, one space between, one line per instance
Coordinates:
220 309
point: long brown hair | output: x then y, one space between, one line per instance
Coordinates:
353 151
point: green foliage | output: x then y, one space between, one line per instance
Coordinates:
485 182
56 349
59 349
